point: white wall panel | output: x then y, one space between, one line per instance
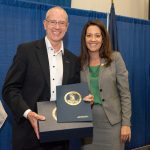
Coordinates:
130 8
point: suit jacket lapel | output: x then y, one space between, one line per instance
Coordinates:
43 59
66 66
103 62
86 73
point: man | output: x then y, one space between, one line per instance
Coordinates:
38 67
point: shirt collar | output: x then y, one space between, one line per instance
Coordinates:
49 46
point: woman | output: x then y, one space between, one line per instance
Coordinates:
107 77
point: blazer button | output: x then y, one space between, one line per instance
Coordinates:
100 90
103 100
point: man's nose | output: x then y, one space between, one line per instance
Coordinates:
57 25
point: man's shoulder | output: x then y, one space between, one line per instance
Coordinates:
30 47
70 54
31 43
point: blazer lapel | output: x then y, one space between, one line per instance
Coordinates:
66 66
43 59
103 62
85 77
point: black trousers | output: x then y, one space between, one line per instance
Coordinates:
63 145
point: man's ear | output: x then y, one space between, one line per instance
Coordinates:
44 24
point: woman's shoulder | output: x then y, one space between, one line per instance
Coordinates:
116 55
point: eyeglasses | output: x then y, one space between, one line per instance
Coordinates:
53 23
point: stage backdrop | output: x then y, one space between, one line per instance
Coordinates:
22 22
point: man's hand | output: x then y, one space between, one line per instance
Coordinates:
33 118
89 98
125 133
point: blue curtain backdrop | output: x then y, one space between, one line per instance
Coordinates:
65 3
22 22
134 42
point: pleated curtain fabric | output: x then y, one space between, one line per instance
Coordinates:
22 22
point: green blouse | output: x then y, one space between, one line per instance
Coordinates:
94 83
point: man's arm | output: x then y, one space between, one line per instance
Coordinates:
12 88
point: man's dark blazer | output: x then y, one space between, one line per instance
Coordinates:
28 81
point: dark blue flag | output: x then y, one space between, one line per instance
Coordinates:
113 28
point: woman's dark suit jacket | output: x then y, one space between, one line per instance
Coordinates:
28 81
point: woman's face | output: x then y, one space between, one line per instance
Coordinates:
93 38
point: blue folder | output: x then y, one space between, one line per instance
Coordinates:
70 104
50 130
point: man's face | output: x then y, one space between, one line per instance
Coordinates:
56 25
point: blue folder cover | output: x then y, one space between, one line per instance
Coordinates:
50 130
70 104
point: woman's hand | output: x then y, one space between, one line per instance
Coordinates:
89 98
125 133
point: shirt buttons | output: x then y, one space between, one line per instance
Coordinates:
103 100
100 90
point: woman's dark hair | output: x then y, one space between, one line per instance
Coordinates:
104 52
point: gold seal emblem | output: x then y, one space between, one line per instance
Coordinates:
54 113
72 98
